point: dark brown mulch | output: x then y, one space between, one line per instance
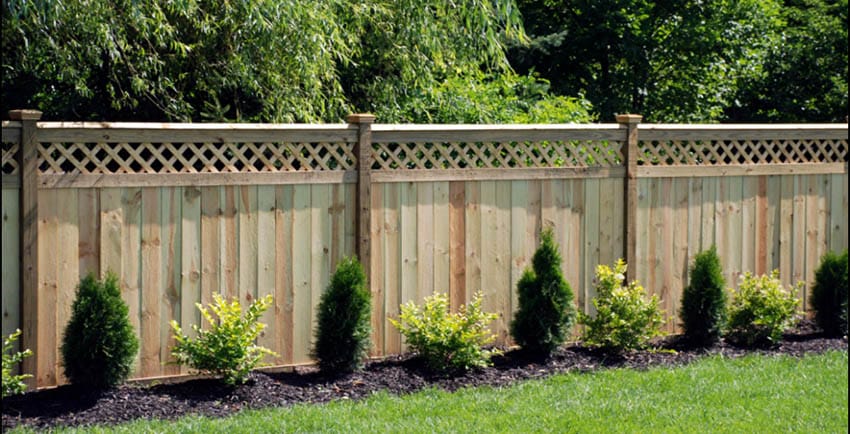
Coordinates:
72 407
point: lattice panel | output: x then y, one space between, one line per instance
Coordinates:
485 155
10 158
729 152
112 158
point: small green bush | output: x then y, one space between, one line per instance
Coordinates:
546 312
447 341
13 384
703 310
761 310
228 347
99 342
829 294
624 320
342 335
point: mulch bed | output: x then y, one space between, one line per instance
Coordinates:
69 406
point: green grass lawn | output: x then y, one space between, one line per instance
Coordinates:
753 394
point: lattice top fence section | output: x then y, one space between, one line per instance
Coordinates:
422 147
228 149
712 146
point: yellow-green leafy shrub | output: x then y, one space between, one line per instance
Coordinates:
761 309
447 341
228 348
625 319
13 384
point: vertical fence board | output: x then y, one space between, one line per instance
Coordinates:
574 272
590 248
799 237
773 196
695 242
407 242
67 249
786 229
151 282
667 261
302 232
266 265
131 272
392 264
246 214
10 237
503 288
457 244
838 213
376 280
748 223
520 255
442 267
190 261
284 278
89 231
424 240
230 243
679 261
48 266
171 236
211 245
473 239
490 267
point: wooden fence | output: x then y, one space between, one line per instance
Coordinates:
182 211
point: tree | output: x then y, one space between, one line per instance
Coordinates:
264 60
668 60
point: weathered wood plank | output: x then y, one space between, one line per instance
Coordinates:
473 239
490 267
457 244
680 258
10 239
49 220
520 256
590 253
424 240
98 180
748 223
66 248
502 285
246 213
838 213
407 246
89 231
151 282
786 229
284 279
376 279
442 258
211 245
131 272
392 264
799 237
230 244
170 290
190 261
266 265
302 233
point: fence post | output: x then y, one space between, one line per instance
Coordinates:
363 216
28 163
630 156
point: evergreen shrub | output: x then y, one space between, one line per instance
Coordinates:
625 319
829 294
228 348
343 331
447 341
13 384
99 342
703 310
546 312
761 310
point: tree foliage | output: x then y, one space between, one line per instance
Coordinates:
693 60
262 60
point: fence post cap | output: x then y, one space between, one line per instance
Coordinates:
24 115
360 118
629 119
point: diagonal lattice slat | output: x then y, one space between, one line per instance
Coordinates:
742 152
9 157
121 158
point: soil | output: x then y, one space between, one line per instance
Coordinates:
70 406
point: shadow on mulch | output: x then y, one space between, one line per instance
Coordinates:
70 406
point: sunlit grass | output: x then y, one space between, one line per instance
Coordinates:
752 394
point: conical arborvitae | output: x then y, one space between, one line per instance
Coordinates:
703 310
829 294
546 312
342 335
99 342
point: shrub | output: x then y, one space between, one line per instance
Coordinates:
761 310
342 335
546 312
447 341
624 320
829 294
227 348
13 384
99 342
703 310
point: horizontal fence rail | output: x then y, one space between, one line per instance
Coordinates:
183 211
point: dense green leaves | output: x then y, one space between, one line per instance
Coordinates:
269 60
684 61
761 310
343 329
13 384
829 293
99 342
703 310
546 312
